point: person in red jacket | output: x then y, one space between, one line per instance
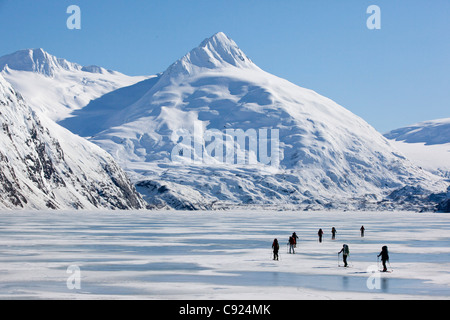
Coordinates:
291 244
295 237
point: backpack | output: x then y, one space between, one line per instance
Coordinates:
275 246
346 250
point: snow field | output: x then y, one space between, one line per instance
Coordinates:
220 255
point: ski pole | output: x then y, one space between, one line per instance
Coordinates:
390 266
339 261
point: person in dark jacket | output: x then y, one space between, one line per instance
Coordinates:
320 234
362 231
333 233
276 248
384 254
345 253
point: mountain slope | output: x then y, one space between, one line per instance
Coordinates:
427 144
428 132
328 157
45 166
56 86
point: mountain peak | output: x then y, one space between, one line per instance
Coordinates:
36 60
218 51
40 61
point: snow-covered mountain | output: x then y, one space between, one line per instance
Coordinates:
37 60
427 144
428 132
43 165
56 86
328 157
168 132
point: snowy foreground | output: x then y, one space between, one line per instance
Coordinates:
220 255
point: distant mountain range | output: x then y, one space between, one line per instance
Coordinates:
427 144
158 129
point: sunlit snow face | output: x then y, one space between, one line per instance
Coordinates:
229 146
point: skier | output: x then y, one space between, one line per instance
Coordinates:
276 248
362 231
291 244
346 253
384 257
320 234
295 237
333 233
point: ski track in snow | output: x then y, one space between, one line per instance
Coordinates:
220 255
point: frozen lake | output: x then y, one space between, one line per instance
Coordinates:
221 255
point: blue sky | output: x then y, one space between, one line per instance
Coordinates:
391 77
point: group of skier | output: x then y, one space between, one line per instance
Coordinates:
292 243
383 254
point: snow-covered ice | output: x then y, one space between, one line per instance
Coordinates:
221 255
